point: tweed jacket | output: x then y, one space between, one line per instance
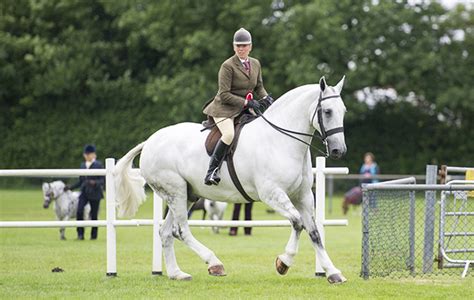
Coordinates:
234 84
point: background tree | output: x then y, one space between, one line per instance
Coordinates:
112 73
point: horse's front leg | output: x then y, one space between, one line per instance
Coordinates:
285 260
305 207
62 230
278 200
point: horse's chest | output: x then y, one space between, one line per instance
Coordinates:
294 186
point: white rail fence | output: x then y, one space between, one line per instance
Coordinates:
111 222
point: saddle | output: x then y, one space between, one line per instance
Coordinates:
215 135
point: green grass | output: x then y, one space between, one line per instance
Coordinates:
28 255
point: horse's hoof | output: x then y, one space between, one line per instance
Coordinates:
63 238
281 268
182 277
217 270
337 278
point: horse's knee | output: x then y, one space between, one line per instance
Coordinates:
178 232
296 220
315 237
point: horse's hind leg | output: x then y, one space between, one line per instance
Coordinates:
305 207
167 238
183 232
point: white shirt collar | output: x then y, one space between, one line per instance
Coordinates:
89 163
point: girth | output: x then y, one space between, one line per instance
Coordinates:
214 136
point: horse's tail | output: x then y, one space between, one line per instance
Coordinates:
129 185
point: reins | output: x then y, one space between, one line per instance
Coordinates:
323 135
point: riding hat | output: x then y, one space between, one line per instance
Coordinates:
242 37
89 149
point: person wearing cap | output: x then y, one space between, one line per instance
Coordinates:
91 188
240 83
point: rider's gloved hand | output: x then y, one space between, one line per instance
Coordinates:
269 99
253 104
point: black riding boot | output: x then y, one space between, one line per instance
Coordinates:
212 176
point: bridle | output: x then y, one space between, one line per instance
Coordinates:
50 194
324 134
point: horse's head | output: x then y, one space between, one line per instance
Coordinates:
328 118
51 191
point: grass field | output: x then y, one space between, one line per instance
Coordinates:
28 255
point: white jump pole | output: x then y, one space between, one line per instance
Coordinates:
320 199
157 268
320 207
110 207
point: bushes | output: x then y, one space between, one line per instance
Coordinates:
76 72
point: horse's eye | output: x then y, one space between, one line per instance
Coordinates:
328 112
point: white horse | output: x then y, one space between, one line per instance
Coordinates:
65 202
273 168
215 211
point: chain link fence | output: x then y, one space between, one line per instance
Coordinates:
417 230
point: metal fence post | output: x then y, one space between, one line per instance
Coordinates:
320 206
430 206
365 233
411 258
110 207
157 268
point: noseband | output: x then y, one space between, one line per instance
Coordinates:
50 193
324 133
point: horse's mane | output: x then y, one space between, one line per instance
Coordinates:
289 96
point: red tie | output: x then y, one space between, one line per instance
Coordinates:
247 66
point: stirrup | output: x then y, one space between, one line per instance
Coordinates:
213 178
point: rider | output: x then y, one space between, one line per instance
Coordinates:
239 78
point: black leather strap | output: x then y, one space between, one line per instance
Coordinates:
230 161
235 178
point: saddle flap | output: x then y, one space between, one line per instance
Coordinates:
215 134
212 138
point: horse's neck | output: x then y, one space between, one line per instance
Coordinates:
293 112
62 200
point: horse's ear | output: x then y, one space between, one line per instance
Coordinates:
340 84
322 84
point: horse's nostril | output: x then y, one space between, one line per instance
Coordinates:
335 152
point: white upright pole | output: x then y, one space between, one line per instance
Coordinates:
319 213
157 268
110 207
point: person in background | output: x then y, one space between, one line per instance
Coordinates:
369 169
236 216
91 188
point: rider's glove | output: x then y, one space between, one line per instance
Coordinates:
253 104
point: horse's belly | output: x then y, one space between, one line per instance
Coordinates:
180 149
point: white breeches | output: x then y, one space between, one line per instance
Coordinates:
226 127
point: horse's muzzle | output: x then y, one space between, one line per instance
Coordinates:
46 203
337 153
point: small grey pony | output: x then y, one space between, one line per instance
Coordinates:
65 202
